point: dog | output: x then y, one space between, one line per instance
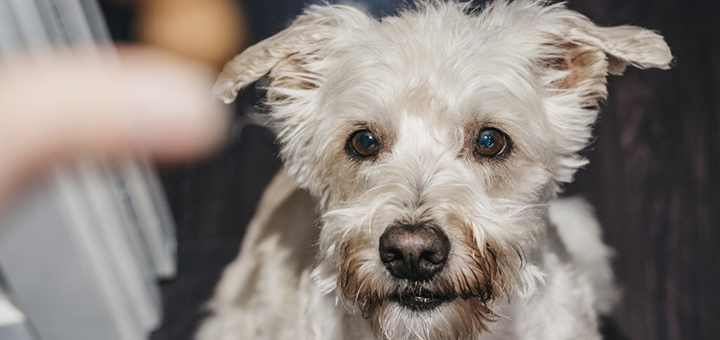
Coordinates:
424 155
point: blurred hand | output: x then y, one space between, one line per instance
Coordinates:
148 103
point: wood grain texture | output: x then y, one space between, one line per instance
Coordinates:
654 173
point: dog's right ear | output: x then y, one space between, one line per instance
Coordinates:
294 57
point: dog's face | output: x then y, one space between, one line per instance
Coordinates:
434 141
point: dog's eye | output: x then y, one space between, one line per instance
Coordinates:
364 143
491 142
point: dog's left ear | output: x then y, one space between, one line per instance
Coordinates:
294 58
624 45
587 53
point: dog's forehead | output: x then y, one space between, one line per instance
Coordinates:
447 76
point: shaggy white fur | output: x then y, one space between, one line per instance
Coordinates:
426 84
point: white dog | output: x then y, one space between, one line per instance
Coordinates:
423 155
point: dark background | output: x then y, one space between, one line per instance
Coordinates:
653 177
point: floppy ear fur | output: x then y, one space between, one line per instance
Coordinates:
588 53
293 58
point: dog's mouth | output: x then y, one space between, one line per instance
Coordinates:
420 301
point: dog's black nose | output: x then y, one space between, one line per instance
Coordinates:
414 252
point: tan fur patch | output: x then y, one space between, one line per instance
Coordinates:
582 64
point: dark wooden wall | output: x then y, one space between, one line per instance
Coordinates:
654 178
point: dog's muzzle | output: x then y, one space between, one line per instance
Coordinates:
415 253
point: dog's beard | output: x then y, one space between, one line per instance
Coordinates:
456 304
485 265
460 319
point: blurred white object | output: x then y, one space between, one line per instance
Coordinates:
13 323
83 253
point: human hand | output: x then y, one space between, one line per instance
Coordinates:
65 105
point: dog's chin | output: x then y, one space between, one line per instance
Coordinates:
421 302
421 315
